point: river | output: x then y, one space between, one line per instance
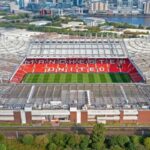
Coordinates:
133 20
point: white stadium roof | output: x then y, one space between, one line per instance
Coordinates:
74 48
96 96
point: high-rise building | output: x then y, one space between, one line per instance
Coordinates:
147 7
21 3
98 6
130 4
119 4
77 2
34 1
26 2
140 4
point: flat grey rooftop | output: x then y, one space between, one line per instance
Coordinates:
77 48
62 96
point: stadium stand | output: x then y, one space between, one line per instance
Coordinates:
139 51
107 66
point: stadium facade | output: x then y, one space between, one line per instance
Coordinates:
76 102
79 103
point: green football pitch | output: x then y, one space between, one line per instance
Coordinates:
77 78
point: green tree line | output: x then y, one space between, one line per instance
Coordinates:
97 140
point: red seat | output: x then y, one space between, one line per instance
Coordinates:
103 67
116 65
72 68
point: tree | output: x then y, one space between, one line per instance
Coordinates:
140 147
136 140
98 130
58 139
122 140
28 139
2 147
98 145
147 143
130 146
41 140
84 142
52 146
77 139
116 147
98 137
112 141
50 138
71 141
2 138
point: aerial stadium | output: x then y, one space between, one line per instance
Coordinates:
77 61
74 80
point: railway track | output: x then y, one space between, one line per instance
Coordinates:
18 131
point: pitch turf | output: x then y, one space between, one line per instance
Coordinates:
77 78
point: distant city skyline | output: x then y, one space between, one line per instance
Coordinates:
89 6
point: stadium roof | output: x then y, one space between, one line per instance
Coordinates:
62 96
74 48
